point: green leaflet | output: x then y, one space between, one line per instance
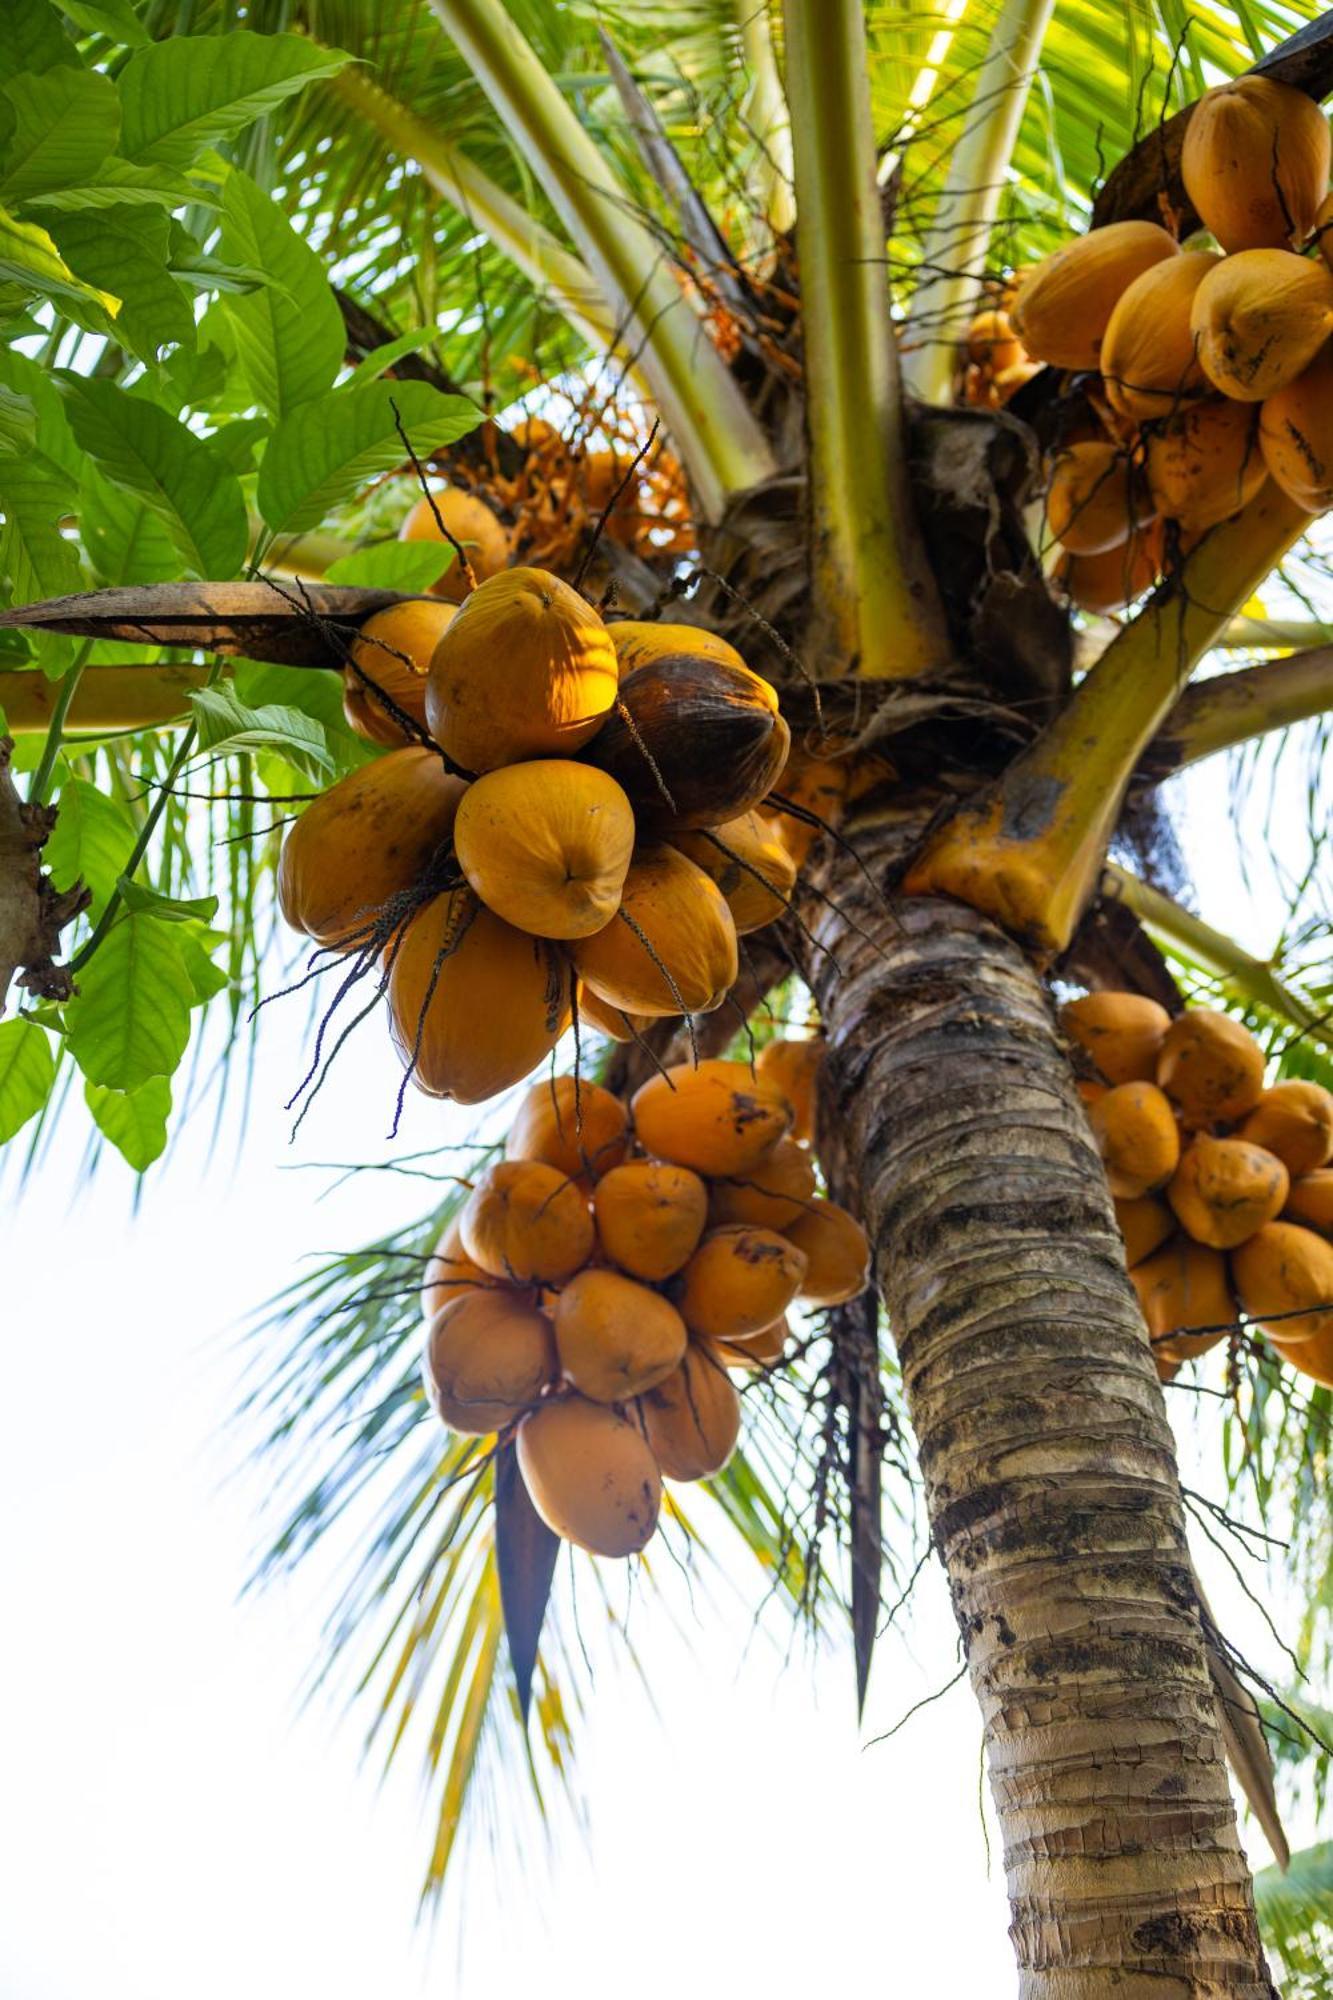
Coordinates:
412 566
29 257
35 558
289 336
135 1121
182 96
91 841
64 124
125 248
27 1070
131 1018
225 723
322 453
187 485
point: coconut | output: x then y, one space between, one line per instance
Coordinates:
1064 304
1185 1297
671 947
1205 464
640 642
527 1222
1210 1067
1149 366
692 1420
615 1337
751 865
1135 1130
717 1117
792 1067
393 651
739 1281
572 1125
1225 1189
1094 498
1295 1121
547 845
1121 1032
1281 1273
488 1358
1110 581
483 539
1311 1202
650 1215
774 1195
1145 1223
1296 435
1255 163
590 1475
837 1253
1259 318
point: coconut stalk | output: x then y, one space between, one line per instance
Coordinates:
1209 950
954 257
1261 635
544 261
768 118
717 437
876 603
1028 850
1236 708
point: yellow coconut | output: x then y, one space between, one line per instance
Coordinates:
393 651
1225 1189
368 838
670 948
488 1358
1205 464
1149 366
1284 1276
1135 1130
1311 1202
1296 435
1064 304
1145 1223
650 1216
483 539
758 1351
992 343
1108 582
693 1419
1121 1032
837 1253
527 1222
639 642
613 1021
716 1117
739 1281
1210 1067
1295 1121
572 1125
616 1337
1094 498
1255 163
773 1195
450 1272
1259 318
547 845
1185 1297
526 669
751 865
792 1067
590 1475
474 1005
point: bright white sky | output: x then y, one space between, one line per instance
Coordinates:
174 1829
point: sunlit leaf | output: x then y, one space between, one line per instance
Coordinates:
225 723
135 1121
289 336
27 1071
322 453
65 123
180 97
91 841
131 1018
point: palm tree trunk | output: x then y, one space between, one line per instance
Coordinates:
1048 1464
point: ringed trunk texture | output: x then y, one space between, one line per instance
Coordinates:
1048 1463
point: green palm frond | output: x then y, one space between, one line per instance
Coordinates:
1296 1917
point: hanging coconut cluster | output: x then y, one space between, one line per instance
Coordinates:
605 1280
1197 371
568 821
995 365
1223 1189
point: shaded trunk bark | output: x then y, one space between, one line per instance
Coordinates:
1048 1463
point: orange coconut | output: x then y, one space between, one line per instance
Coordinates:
739 1281
671 946
1064 304
1296 434
1255 163
1210 1067
1121 1032
1205 464
1225 1189
716 1117
1259 318
393 651
488 1358
1185 1297
1295 1121
484 539
650 1216
527 1222
547 845
1135 1130
692 1420
572 1125
616 1337
1149 365
837 1253
1284 1275
590 1475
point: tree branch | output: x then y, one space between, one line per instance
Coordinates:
33 912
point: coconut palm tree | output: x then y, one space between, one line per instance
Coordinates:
768 229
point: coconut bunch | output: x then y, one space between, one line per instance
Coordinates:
1223 1189
994 364
1200 370
606 1280
567 822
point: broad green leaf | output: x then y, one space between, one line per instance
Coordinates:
225 723
171 909
208 271
315 693
182 96
18 422
66 122
28 257
27 1071
135 1121
289 338
239 441
196 942
125 183
192 491
373 365
33 40
34 555
321 454
116 18
123 538
412 566
131 1018
92 840
127 248
26 378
